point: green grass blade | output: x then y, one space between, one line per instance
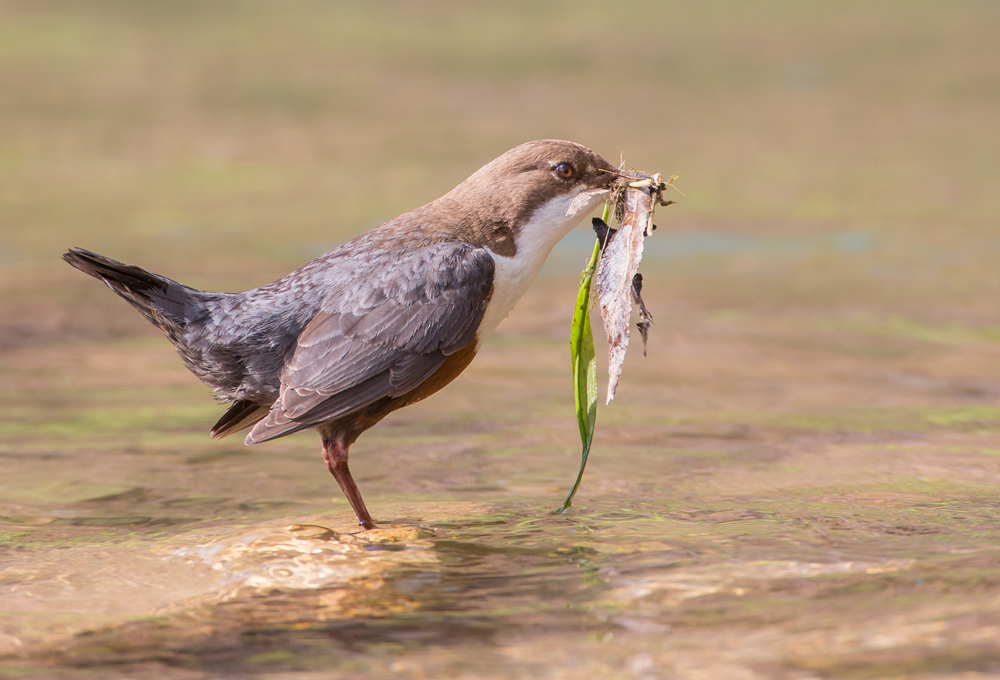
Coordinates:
581 347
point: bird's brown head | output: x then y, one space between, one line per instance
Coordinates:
545 187
534 172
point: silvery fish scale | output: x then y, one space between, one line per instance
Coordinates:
615 270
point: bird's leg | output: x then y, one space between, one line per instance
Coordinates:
335 455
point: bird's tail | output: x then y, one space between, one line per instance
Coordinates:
181 313
167 304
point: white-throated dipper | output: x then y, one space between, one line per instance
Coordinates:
384 320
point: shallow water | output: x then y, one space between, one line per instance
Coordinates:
798 482
821 537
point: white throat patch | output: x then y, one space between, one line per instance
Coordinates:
535 241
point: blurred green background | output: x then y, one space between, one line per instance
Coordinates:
839 153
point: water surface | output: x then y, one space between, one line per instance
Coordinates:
798 482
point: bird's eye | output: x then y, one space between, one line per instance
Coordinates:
565 170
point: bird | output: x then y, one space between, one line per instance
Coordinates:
380 322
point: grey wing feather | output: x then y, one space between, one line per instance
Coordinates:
410 371
388 324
